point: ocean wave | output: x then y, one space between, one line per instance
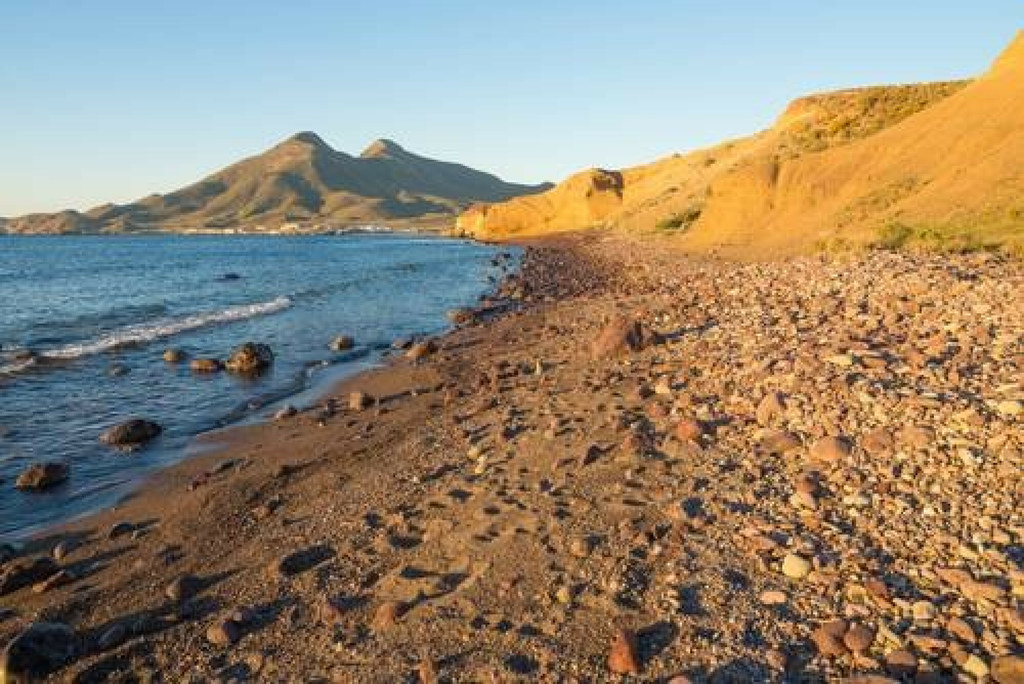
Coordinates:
140 333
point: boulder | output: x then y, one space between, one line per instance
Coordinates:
39 650
25 572
619 336
250 358
174 355
206 365
131 432
342 343
41 476
420 350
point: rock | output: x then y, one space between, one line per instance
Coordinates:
1008 669
689 430
120 529
1009 408
21 573
901 662
112 637
877 442
773 598
342 343
581 547
64 549
183 587
771 408
830 449
401 343
251 358
173 355
961 629
286 411
779 441
228 277
36 652
7 553
795 567
223 632
623 657
829 638
923 611
131 432
357 401
58 579
420 350
41 476
387 615
619 336
859 638
118 370
461 316
206 365
975 666
427 672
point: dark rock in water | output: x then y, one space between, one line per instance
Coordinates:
26 572
229 276
206 365
7 553
38 651
131 432
250 359
118 370
43 475
342 343
174 355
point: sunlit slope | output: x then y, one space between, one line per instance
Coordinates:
937 164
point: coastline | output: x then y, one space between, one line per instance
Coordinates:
511 503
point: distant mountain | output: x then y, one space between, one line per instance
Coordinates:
301 183
939 165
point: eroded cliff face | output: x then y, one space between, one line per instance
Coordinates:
940 161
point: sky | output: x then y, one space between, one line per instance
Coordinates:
110 101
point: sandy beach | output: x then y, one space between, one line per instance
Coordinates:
631 463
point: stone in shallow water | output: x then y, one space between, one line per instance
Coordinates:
41 476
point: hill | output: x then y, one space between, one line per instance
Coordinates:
936 164
301 183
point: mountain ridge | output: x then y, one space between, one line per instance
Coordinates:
301 183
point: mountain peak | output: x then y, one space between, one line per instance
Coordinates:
308 138
382 147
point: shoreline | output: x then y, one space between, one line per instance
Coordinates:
513 502
308 383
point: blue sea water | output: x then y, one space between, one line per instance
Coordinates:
89 307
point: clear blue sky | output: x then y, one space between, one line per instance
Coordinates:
109 100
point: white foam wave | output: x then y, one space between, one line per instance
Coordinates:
147 332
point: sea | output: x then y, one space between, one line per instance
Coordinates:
84 322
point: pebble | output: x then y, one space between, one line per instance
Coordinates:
623 658
795 566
